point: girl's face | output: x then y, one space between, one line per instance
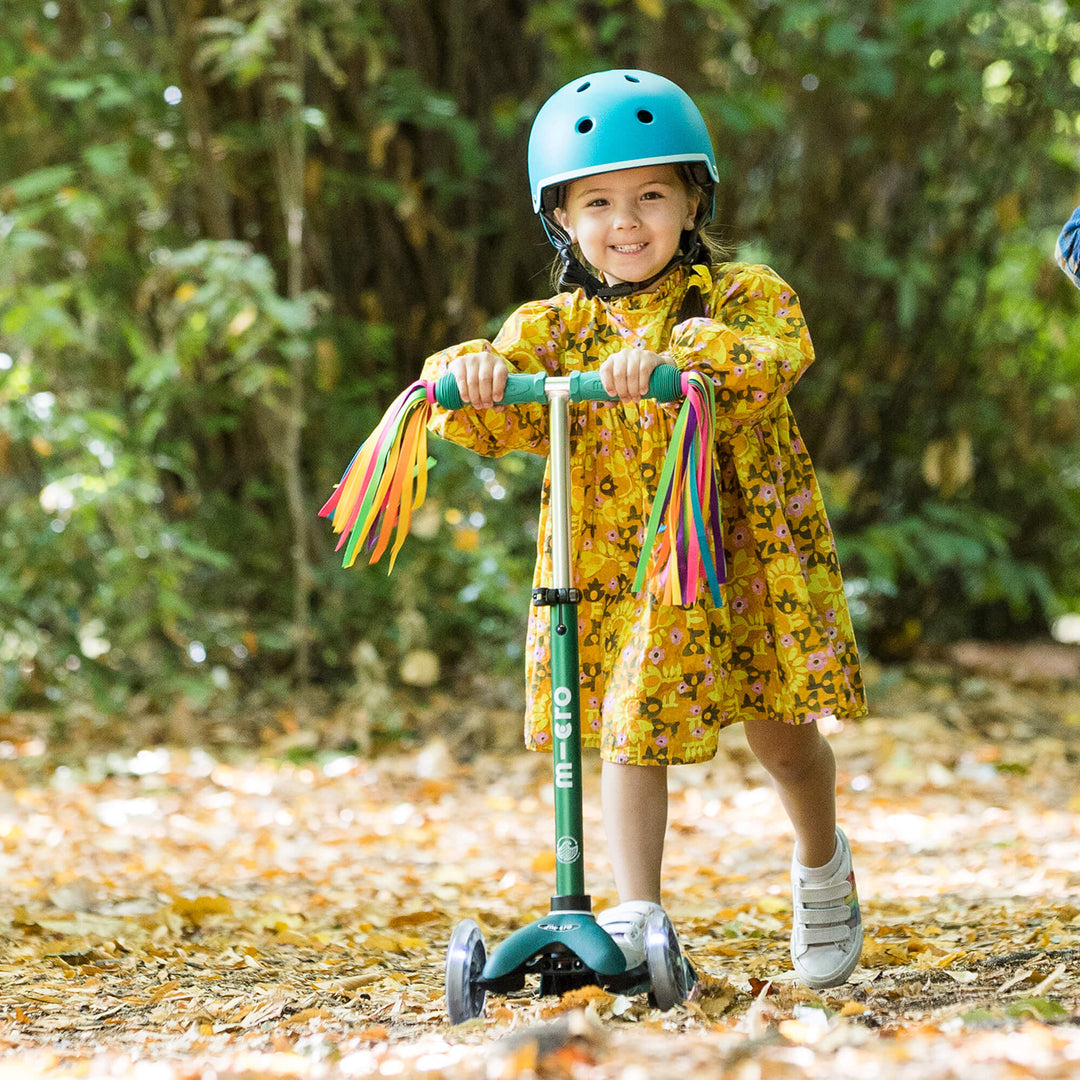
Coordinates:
628 223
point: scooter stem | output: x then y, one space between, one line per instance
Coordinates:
559 457
566 711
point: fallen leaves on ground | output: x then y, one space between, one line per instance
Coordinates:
170 915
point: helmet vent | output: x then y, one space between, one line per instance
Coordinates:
584 86
631 78
584 125
645 116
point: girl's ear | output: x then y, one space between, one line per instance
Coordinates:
563 218
694 200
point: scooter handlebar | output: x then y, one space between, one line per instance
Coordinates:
665 384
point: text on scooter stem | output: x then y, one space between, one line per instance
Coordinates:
564 770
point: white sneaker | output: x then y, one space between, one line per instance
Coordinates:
826 924
626 925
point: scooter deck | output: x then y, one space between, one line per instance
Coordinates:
577 932
568 950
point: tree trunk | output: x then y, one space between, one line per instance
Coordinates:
289 157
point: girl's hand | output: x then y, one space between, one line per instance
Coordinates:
481 378
625 374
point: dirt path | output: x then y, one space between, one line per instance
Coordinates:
169 915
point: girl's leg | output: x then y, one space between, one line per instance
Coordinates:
826 925
801 764
634 802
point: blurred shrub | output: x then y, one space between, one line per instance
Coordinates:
905 166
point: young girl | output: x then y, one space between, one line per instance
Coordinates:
622 174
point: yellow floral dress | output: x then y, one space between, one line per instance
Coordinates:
659 682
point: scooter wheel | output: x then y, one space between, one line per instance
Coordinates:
667 972
465 959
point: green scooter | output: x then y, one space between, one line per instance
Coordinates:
566 948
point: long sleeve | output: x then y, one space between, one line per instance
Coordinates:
530 343
1067 251
754 346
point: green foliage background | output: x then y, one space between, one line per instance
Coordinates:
230 231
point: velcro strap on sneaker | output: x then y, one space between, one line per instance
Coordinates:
828 916
837 934
813 895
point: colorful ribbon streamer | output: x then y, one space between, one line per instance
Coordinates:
385 481
685 534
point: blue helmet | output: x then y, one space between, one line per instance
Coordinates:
615 120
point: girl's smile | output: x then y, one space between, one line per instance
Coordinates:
628 223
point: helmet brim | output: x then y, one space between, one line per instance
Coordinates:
542 195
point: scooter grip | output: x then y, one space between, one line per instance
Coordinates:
665 384
520 390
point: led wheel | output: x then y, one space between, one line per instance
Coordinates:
465 959
667 971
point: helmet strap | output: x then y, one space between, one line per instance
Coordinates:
575 275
